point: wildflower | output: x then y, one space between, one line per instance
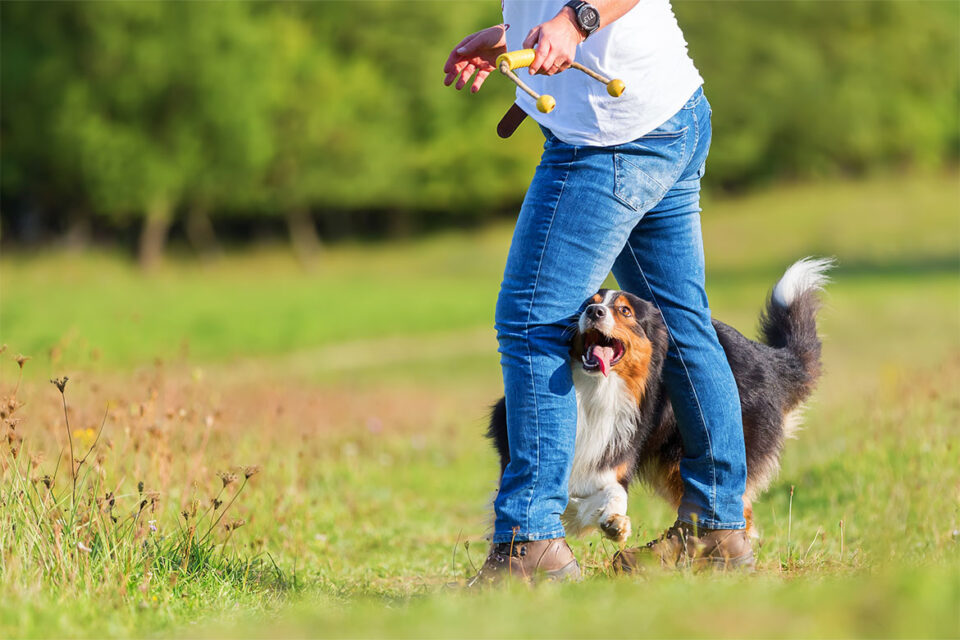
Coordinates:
216 503
236 524
251 471
153 525
140 487
59 383
227 478
21 359
15 440
85 437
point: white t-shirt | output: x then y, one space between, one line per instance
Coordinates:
645 48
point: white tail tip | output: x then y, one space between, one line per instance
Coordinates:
807 274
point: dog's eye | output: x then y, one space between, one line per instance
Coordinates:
625 311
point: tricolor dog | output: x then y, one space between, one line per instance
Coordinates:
626 428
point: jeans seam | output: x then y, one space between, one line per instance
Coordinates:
696 132
507 536
533 380
703 420
712 524
713 463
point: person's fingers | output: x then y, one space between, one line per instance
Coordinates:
532 38
454 71
550 62
542 53
481 76
465 76
469 46
455 56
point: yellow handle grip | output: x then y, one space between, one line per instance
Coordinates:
517 59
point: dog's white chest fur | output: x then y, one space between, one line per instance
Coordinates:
606 418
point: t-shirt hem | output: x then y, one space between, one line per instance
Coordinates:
625 136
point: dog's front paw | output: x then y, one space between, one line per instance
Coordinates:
617 528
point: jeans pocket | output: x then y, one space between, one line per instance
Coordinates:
645 169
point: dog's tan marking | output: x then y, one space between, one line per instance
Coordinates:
666 481
634 367
748 517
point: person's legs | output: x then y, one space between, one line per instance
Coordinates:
663 262
570 230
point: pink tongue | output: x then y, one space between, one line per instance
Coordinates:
603 355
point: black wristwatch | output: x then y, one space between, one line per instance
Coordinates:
588 18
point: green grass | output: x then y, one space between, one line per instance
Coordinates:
365 408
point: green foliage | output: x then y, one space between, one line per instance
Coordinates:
129 109
807 88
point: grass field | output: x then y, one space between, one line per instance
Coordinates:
360 391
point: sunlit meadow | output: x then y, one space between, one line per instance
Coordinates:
243 448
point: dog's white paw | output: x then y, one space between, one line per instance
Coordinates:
617 528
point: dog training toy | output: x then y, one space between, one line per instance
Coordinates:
507 62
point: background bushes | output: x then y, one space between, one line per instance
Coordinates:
131 117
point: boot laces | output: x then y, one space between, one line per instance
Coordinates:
509 549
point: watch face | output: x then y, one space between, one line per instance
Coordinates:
588 17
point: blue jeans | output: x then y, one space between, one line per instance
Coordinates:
633 209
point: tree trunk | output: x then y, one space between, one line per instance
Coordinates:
201 233
303 237
153 234
77 236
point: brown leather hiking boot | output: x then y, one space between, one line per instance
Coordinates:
528 560
678 547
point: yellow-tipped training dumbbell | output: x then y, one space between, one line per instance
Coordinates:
507 62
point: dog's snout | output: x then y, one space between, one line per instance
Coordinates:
596 311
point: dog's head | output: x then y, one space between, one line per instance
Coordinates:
617 332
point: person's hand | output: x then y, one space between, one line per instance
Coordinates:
556 42
477 52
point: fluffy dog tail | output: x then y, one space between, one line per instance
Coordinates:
789 320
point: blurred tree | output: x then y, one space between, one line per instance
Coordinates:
805 89
143 107
142 112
